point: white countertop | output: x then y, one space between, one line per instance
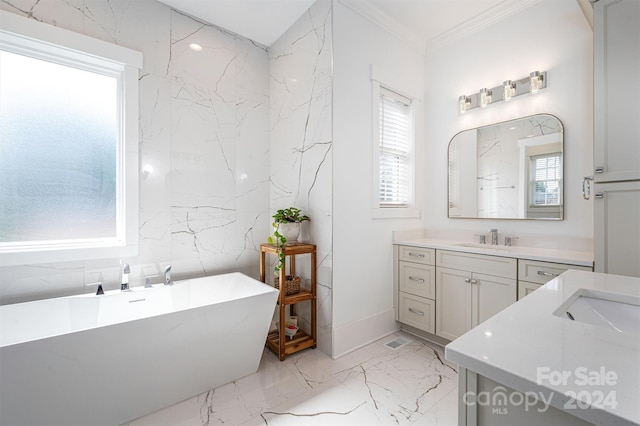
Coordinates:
573 257
520 345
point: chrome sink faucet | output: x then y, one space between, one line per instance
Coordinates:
494 236
167 276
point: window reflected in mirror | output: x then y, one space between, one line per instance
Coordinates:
508 170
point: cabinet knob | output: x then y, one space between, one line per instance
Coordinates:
467 280
473 281
416 254
547 274
599 169
420 280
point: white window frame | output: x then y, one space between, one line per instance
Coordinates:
383 80
533 181
42 41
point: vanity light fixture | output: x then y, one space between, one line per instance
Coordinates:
485 97
464 103
508 90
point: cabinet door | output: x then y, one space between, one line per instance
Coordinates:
418 279
617 228
616 90
453 303
491 295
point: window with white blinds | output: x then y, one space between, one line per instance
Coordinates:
546 180
395 146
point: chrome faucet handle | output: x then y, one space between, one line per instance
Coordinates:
99 290
508 239
167 275
147 282
482 238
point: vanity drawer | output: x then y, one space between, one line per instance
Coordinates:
417 254
484 264
419 280
418 312
526 288
541 272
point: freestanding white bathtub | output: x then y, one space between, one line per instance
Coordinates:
106 360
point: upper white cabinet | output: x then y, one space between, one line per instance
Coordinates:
617 90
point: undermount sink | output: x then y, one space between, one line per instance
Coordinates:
613 311
486 247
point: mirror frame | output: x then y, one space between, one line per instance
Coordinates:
562 198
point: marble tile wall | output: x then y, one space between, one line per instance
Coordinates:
204 128
301 143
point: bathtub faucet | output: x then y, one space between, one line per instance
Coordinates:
167 275
125 278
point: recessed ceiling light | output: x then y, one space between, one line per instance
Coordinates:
195 46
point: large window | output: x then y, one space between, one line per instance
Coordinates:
68 145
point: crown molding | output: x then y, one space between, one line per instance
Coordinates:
587 8
459 32
386 22
478 23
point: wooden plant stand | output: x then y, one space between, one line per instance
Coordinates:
277 341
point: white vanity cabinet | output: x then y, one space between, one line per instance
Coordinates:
534 274
442 291
470 288
415 268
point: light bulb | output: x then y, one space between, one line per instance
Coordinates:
463 104
535 82
509 90
485 97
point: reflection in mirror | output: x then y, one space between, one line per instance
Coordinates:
509 170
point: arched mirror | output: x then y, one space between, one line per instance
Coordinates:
508 170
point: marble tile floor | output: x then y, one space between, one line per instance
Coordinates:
374 385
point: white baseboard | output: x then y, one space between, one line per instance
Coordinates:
350 337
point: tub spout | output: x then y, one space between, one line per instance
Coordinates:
167 276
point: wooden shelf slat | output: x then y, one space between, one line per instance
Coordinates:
299 342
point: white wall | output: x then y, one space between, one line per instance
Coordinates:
204 129
362 249
552 36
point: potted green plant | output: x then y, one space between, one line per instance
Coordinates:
286 224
